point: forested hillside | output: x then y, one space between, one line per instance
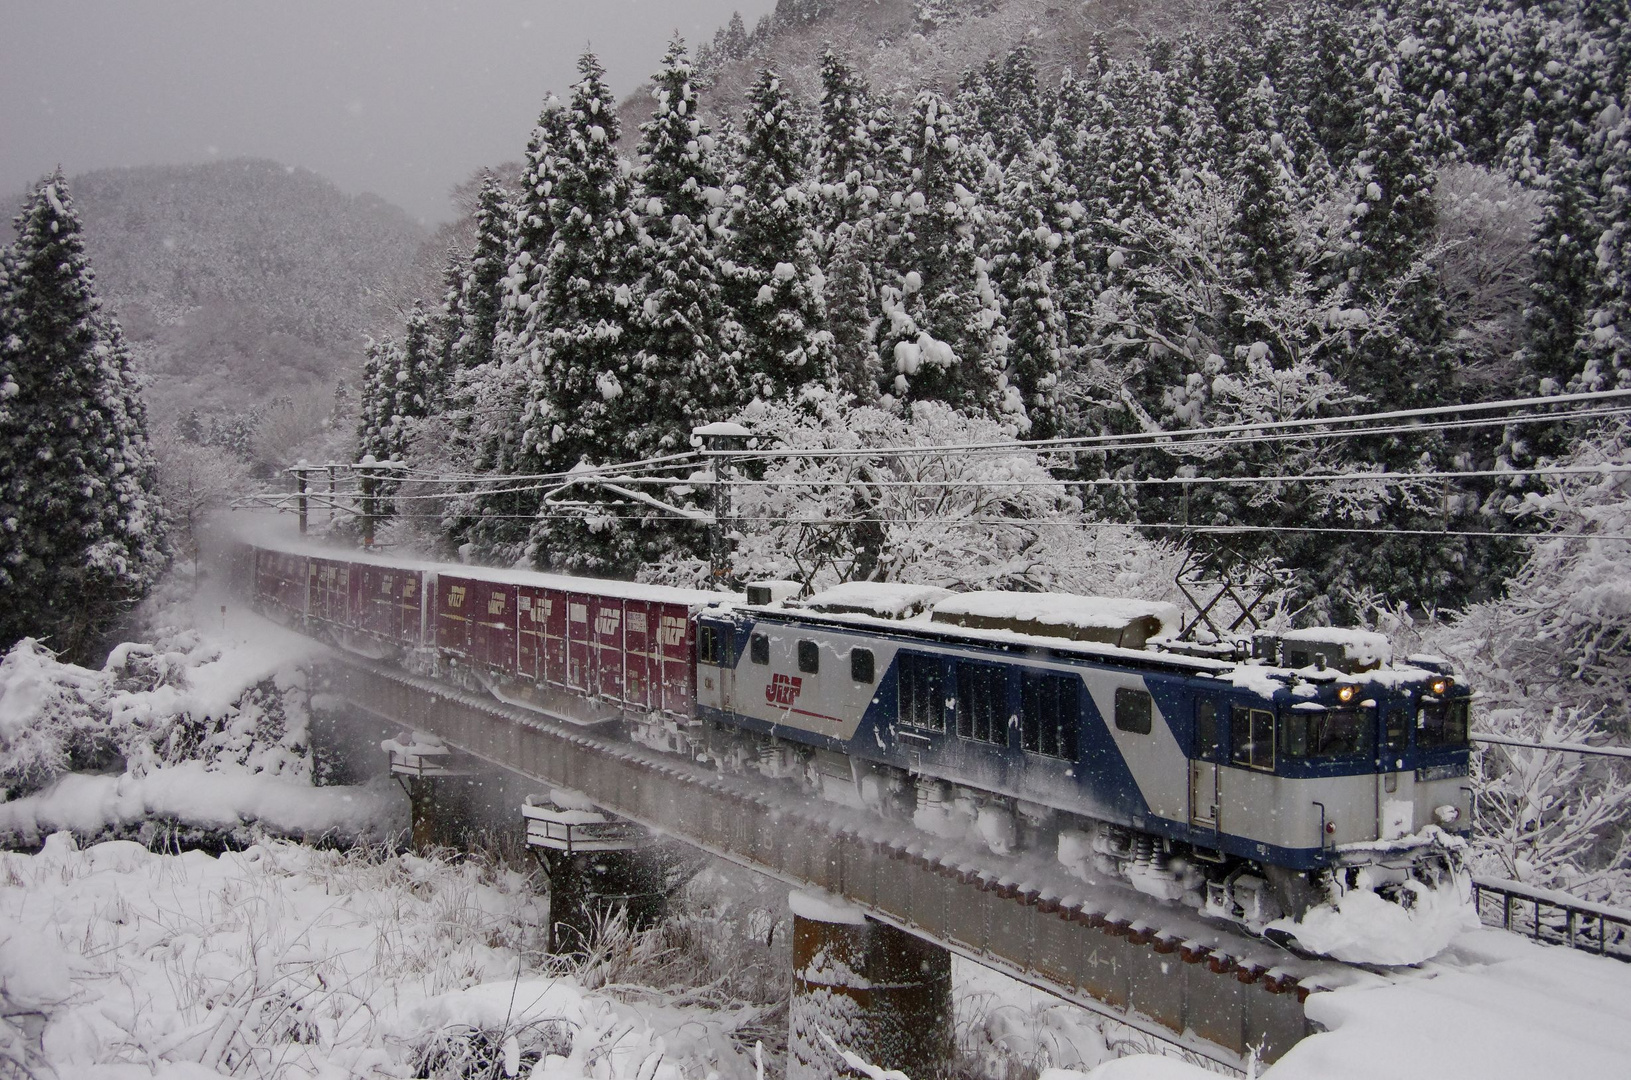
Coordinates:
239 282
1279 213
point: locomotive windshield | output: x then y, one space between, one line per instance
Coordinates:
1326 733
1441 723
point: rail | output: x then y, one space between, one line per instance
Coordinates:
1554 917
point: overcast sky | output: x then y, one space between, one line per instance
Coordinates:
403 98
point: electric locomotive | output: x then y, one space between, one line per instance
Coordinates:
1256 787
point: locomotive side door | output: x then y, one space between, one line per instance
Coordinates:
1204 759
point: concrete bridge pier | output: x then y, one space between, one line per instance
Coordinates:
598 866
871 989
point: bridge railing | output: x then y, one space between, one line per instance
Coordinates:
1554 917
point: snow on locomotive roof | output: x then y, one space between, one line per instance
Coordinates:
1364 647
882 599
1111 620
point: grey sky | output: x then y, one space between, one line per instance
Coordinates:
400 97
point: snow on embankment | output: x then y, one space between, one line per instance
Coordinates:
289 961
205 730
1495 1006
221 797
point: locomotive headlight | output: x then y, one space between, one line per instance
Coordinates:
1439 686
1346 694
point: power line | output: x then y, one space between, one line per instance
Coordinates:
1106 441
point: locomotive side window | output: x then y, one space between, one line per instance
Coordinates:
1133 710
809 657
919 692
759 649
1441 723
1048 708
1207 745
861 665
1252 732
980 703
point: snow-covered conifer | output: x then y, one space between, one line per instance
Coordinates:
82 534
775 285
689 346
579 333
941 337
1029 240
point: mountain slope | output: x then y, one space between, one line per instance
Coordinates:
239 281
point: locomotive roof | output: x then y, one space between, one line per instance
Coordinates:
1252 676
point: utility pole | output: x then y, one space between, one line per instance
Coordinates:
719 442
300 487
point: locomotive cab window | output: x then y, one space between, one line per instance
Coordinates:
809 657
861 665
1326 733
1441 723
1048 708
981 703
759 649
1252 737
918 692
1133 710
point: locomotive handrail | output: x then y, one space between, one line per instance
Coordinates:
1576 915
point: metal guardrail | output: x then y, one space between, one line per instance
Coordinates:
1554 917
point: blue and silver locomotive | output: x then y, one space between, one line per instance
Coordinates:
1253 786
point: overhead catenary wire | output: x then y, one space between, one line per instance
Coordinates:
1105 440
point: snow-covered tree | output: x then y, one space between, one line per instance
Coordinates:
1029 238
942 336
775 284
969 521
579 333
481 285
82 532
690 348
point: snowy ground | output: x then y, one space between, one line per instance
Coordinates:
1494 1006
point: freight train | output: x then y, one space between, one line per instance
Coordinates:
1251 783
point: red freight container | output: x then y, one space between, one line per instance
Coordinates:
388 599
637 660
579 674
674 633
606 637
477 618
280 581
330 591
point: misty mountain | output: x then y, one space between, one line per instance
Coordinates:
241 281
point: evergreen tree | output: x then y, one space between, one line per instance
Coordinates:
690 348
82 535
855 135
531 231
377 404
1263 219
1564 268
1035 325
581 326
481 286
943 335
775 285
851 299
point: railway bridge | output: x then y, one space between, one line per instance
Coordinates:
1164 971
